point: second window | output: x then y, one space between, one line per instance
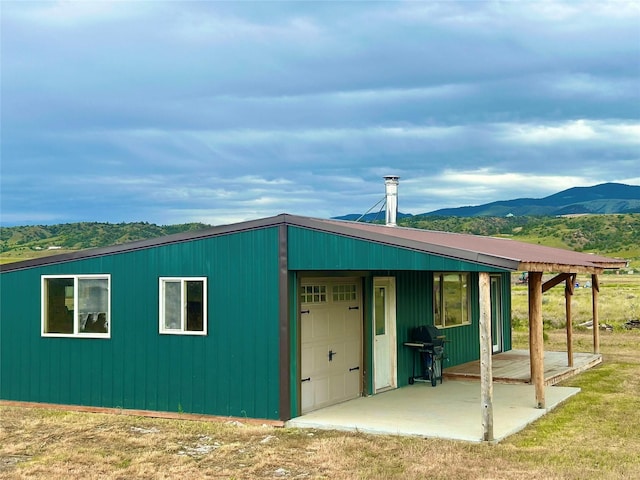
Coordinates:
183 305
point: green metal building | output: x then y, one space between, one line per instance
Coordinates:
266 319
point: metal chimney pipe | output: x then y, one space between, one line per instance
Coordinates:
391 191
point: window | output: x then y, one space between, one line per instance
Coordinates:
379 310
183 306
344 293
450 299
313 294
76 305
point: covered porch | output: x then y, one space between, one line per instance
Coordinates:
565 266
408 259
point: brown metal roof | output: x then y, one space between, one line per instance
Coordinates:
490 251
529 257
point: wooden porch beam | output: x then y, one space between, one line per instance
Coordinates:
536 340
549 284
595 290
568 293
486 350
562 268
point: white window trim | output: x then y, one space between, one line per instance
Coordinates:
76 324
468 320
182 331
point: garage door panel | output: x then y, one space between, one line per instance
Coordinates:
320 358
306 330
352 384
320 324
353 326
306 396
352 354
321 391
315 325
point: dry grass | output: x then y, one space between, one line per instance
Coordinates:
593 435
28 254
56 445
619 301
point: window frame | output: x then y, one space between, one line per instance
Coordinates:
183 304
76 323
440 319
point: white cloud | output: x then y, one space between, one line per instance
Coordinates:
455 188
66 13
209 26
576 130
490 178
581 85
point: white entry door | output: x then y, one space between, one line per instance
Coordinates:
331 342
384 322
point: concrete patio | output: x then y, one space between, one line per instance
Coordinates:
450 410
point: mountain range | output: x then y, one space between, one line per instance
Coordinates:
604 198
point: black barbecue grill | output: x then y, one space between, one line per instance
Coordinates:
428 345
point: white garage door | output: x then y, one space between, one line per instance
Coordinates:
331 342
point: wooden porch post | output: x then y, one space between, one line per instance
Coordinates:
486 350
595 289
568 293
536 340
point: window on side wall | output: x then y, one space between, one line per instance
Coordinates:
76 306
451 299
183 306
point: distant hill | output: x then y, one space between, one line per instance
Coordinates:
598 199
77 236
371 217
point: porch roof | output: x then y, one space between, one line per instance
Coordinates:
491 251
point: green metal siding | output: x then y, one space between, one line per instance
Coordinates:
313 250
231 371
415 308
294 345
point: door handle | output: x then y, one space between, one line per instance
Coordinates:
331 354
354 368
308 379
354 308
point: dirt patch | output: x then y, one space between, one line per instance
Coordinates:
8 461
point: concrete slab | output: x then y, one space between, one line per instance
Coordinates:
450 410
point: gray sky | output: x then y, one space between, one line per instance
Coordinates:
173 112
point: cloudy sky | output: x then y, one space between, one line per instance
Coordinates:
173 112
